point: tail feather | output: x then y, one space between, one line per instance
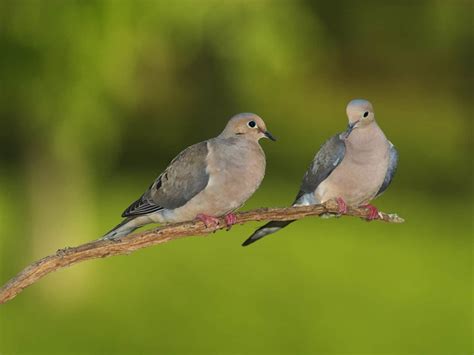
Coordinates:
269 228
124 228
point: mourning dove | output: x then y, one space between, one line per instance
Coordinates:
353 167
207 180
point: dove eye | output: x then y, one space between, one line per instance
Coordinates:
366 113
252 124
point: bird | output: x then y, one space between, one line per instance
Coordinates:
205 181
353 167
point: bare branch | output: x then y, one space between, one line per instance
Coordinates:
105 248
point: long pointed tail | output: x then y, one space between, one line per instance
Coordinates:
269 228
126 227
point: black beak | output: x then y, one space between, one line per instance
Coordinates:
269 136
350 128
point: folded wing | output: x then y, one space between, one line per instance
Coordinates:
183 179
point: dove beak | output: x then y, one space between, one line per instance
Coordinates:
350 128
269 135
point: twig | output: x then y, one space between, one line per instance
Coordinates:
105 248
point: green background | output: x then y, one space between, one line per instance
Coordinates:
96 97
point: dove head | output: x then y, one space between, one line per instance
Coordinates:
247 126
360 113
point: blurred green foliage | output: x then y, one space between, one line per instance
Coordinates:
96 97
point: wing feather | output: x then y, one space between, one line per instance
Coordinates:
326 160
183 179
392 169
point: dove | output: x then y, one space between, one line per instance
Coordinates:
353 167
205 181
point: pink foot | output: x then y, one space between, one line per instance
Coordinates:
209 221
342 205
230 220
373 212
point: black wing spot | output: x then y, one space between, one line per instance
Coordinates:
158 185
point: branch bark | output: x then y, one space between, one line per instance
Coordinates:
104 248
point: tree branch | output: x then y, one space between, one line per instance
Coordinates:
126 245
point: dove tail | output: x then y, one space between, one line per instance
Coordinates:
269 228
126 227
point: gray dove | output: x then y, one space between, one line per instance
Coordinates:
353 167
205 181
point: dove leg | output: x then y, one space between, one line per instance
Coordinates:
209 221
373 212
230 220
342 205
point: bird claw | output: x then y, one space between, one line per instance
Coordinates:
341 205
373 212
209 221
230 220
